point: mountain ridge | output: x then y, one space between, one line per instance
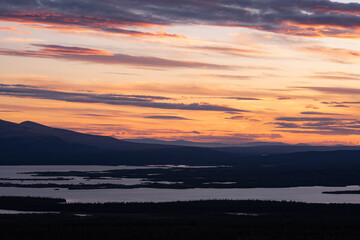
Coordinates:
32 129
31 143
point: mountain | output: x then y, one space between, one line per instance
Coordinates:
30 143
13 130
28 130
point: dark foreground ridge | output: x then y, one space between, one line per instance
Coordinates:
178 220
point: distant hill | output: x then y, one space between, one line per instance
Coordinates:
178 143
283 149
201 144
251 148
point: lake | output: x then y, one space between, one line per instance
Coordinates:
300 194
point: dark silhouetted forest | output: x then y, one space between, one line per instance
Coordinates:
179 220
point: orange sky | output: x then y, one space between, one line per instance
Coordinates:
171 75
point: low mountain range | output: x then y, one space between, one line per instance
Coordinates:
30 143
256 148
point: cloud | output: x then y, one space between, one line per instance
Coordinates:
243 98
167 117
232 138
309 18
352 102
308 119
331 103
338 55
234 77
49 19
336 104
236 118
25 91
340 106
7 111
182 89
63 50
20 40
319 113
108 30
230 51
327 132
286 125
192 88
94 115
245 118
311 106
103 57
335 90
336 76
285 98
319 125
13 30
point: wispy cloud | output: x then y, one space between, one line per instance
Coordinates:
335 90
319 113
110 99
233 137
243 98
170 117
13 30
319 125
230 51
336 76
308 119
103 57
285 98
338 55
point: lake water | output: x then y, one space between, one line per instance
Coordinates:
14 212
299 194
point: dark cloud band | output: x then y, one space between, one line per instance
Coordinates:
103 57
110 99
304 18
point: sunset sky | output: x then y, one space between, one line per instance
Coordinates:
200 70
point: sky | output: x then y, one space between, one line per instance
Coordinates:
228 71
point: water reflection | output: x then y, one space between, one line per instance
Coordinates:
14 212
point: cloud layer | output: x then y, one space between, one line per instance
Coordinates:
302 18
319 125
103 57
110 99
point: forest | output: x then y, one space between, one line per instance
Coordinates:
215 219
